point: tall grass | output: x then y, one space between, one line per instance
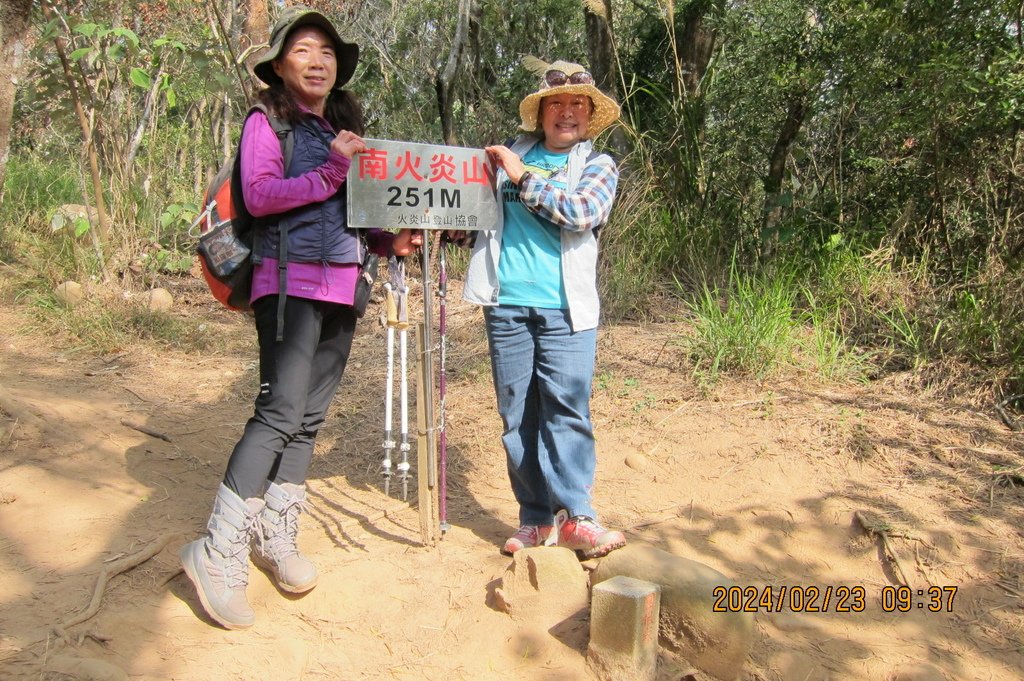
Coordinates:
849 316
634 248
149 208
33 188
827 344
654 239
104 324
745 327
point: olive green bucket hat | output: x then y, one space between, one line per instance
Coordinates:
295 17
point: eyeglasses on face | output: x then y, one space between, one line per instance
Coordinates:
554 78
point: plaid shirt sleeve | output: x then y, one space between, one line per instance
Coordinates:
585 208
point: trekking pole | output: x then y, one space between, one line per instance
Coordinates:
403 343
391 307
442 327
429 426
428 340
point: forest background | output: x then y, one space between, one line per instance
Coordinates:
831 186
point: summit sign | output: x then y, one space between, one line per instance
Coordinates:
421 186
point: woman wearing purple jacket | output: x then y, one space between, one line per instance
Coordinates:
257 505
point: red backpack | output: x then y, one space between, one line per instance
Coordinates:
226 230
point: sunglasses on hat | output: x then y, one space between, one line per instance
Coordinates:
554 78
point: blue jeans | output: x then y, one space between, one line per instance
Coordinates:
542 375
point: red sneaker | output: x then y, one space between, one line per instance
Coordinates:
525 537
584 535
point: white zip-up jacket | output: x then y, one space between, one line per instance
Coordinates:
584 205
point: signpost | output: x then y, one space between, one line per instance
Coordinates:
427 187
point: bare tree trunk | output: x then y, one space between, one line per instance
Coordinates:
147 112
696 45
600 45
601 53
228 27
795 115
483 78
14 16
87 139
255 32
445 81
225 129
798 107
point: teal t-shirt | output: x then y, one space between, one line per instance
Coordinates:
530 264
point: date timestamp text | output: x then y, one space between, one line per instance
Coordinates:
838 599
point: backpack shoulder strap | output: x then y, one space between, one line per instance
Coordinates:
284 132
281 128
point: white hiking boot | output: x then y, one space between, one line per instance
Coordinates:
274 543
218 564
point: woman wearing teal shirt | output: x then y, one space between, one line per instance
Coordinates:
536 277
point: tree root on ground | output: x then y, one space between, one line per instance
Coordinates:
145 430
112 570
882 531
1011 423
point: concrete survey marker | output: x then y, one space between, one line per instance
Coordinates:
624 629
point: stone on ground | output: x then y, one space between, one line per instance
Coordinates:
159 300
543 585
66 215
70 293
637 461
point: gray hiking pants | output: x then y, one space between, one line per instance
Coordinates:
298 379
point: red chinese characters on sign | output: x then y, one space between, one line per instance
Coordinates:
474 172
408 165
442 168
374 164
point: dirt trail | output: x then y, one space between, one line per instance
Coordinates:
759 483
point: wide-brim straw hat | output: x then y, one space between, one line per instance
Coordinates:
606 110
295 17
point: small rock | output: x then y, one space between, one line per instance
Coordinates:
69 213
637 461
70 293
159 300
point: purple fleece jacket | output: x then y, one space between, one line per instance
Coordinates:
268 192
